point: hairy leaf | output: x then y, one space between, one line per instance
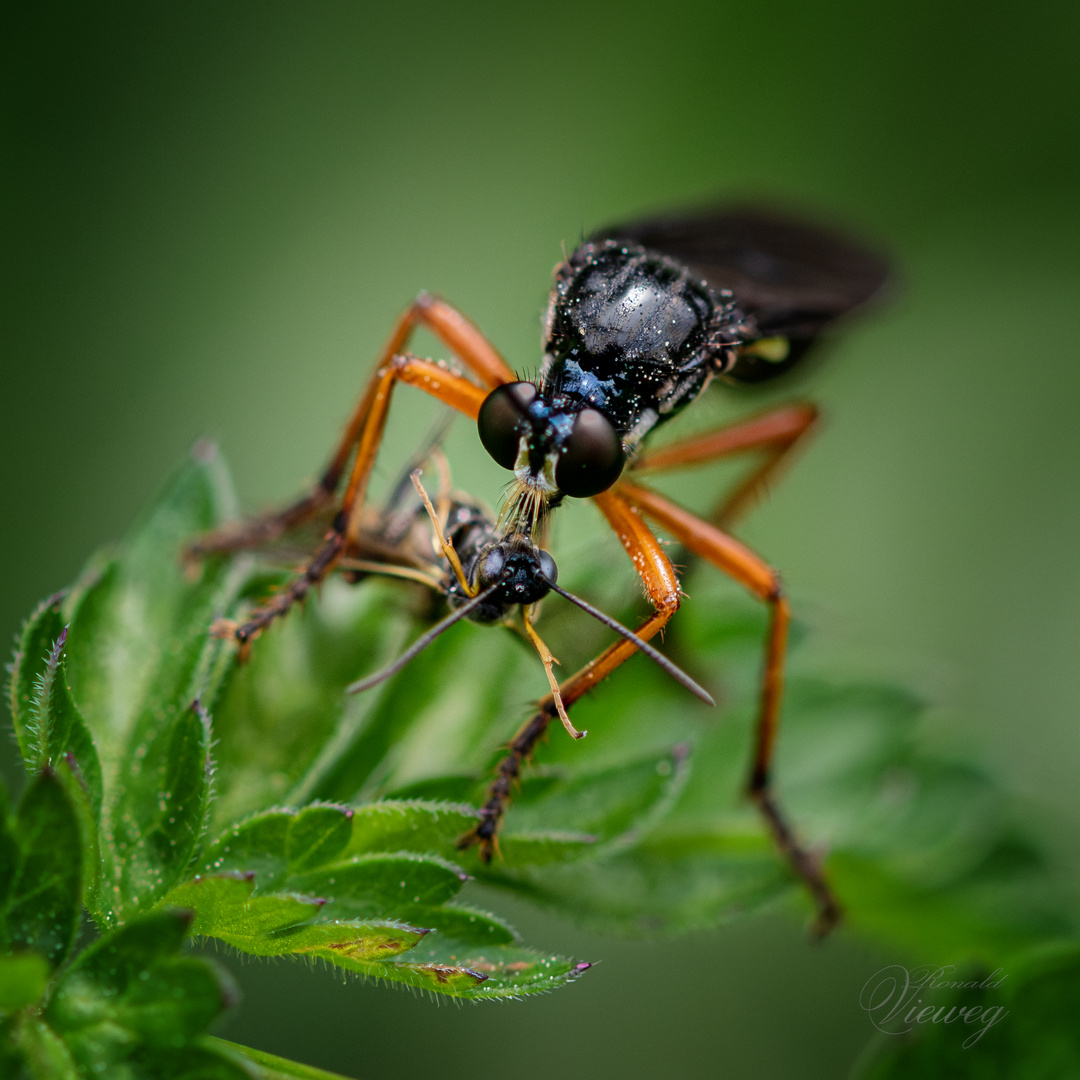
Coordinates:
139 643
161 810
449 967
44 902
138 656
48 724
282 841
281 924
379 911
129 995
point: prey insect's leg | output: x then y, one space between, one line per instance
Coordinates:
776 432
662 587
549 662
453 390
753 573
456 332
442 541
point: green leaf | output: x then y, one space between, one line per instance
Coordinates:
466 925
673 881
316 836
35 645
280 843
44 902
559 818
38 1051
280 924
386 907
286 707
23 977
449 967
138 655
349 939
409 825
272 1067
381 884
223 906
545 848
48 724
161 812
129 994
140 621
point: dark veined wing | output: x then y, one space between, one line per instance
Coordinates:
794 278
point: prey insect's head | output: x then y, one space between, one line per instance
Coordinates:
555 445
513 572
523 572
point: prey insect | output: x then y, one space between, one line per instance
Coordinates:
641 319
451 547
481 576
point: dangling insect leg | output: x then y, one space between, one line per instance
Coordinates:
447 324
753 573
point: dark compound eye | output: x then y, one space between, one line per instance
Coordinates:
500 421
492 565
591 458
548 567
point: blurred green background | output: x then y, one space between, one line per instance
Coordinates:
212 213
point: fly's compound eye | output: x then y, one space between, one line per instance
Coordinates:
502 420
548 567
591 458
492 565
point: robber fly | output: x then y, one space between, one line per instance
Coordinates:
642 319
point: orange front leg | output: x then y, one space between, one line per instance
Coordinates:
456 332
451 389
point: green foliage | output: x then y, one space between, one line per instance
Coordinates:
174 792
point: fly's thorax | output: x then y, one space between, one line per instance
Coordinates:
634 335
630 338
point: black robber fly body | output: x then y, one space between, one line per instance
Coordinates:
642 318
630 339
632 335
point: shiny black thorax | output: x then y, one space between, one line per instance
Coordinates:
633 335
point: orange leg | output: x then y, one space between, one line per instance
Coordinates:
753 573
455 331
451 389
623 507
775 432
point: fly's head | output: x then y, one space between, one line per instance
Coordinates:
555 445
